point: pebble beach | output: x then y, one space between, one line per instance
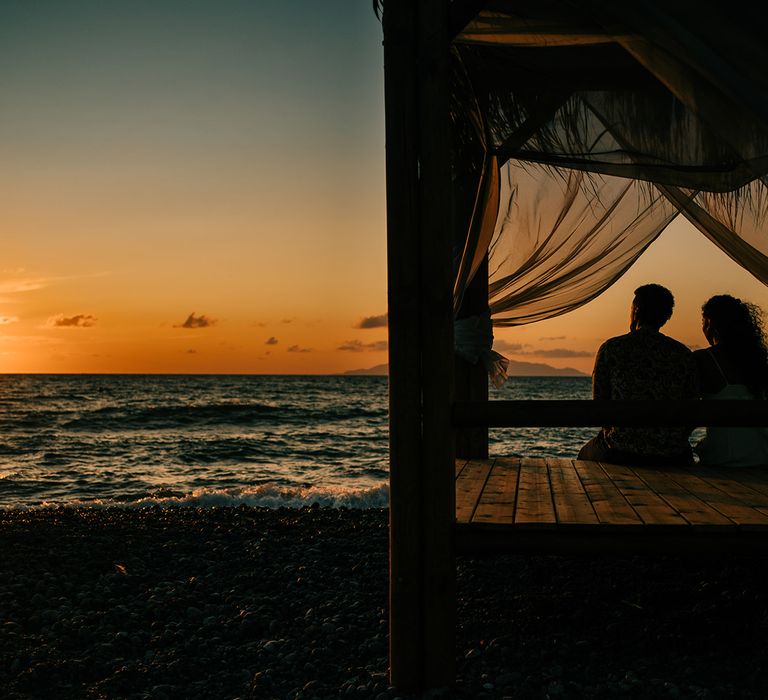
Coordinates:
247 602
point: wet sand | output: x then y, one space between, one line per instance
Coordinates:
257 603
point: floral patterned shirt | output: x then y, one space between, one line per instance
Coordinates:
645 364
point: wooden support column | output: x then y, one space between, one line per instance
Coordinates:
439 496
405 633
422 496
472 379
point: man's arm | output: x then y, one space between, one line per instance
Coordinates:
601 378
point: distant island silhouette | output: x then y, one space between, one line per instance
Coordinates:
515 369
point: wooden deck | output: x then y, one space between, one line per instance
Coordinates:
569 506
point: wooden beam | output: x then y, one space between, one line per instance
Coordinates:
403 281
530 126
436 341
420 288
462 12
555 413
477 539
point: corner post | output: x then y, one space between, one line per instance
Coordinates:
472 380
420 284
437 236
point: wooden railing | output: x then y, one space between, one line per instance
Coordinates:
583 413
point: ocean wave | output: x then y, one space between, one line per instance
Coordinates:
246 414
163 417
343 413
29 421
262 496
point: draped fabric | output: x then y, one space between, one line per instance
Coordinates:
589 127
564 236
737 227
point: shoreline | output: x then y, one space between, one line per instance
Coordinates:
249 602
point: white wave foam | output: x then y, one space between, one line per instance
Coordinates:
262 496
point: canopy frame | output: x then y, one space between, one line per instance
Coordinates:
421 225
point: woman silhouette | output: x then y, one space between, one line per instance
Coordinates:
735 366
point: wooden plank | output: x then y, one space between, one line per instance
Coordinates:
534 496
741 483
754 477
460 464
729 504
731 482
608 502
497 501
469 486
572 505
693 509
651 507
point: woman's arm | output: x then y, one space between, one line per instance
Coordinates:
710 378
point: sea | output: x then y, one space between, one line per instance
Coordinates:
222 440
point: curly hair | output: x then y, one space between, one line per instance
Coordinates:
740 333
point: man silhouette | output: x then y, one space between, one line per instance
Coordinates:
643 364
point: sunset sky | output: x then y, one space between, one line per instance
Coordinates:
198 186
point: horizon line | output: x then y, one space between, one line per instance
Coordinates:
347 373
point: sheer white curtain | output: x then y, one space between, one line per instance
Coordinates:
596 126
564 236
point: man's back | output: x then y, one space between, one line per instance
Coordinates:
645 364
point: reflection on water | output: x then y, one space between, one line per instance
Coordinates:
223 439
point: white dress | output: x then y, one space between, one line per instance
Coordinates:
733 447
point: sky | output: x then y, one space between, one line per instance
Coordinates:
198 186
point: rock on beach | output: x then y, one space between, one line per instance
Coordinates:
292 604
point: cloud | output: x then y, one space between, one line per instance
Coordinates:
201 321
17 286
359 346
372 322
562 352
191 352
351 346
296 348
553 337
271 341
287 320
5 320
520 349
77 321
31 284
506 346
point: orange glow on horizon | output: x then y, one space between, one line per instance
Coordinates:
99 323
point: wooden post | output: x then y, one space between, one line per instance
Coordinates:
422 490
439 514
472 380
405 633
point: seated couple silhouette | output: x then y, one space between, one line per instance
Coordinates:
646 364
